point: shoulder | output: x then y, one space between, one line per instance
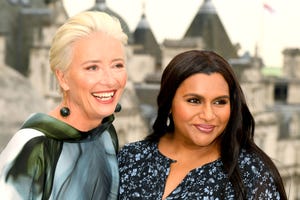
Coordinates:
20 150
256 175
137 150
22 162
139 146
22 138
251 159
252 164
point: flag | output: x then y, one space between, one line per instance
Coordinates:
268 8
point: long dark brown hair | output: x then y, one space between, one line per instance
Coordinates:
239 132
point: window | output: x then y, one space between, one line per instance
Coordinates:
280 92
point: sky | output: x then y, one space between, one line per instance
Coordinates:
247 22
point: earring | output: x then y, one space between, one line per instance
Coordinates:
65 112
168 120
118 108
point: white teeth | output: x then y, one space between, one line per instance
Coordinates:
104 96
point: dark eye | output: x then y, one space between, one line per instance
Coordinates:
221 102
193 100
119 65
92 68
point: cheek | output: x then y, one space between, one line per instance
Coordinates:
181 113
83 82
121 78
79 85
224 116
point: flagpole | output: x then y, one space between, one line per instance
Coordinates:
265 8
260 40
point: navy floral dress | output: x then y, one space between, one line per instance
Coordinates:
144 170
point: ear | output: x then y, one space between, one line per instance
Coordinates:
62 80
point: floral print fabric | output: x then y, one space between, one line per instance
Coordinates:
144 170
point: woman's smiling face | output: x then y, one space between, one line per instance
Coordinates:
97 76
201 110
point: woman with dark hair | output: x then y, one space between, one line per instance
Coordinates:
202 145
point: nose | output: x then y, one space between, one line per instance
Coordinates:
106 77
207 112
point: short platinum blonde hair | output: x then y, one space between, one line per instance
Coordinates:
77 27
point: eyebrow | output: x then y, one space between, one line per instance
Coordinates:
202 97
98 61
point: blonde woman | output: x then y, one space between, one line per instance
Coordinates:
70 153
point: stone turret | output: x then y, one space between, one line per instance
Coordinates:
144 37
209 27
291 63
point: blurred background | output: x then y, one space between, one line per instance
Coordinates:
260 39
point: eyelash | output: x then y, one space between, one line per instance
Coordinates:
217 102
193 100
119 65
221 102
94 67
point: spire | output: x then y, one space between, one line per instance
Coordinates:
208 8
100 2
208 26
101 5
143 6
143 23
144 36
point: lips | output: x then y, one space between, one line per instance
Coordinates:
205 128
104 96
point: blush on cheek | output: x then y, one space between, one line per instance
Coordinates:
122 81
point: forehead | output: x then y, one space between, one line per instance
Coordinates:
205 83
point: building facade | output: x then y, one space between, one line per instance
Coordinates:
273 100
